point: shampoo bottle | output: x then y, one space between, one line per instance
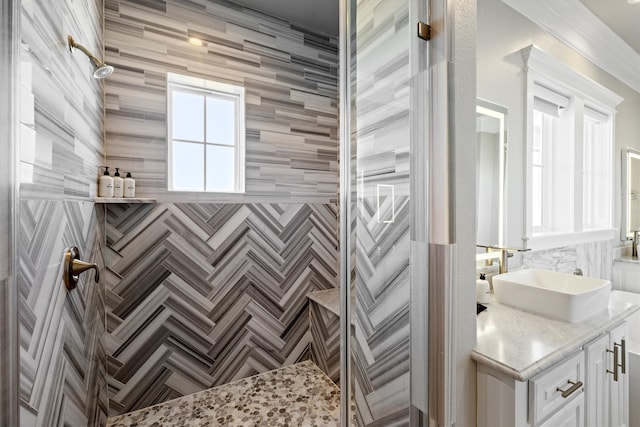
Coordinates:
129 186
105 184
117 184
482 290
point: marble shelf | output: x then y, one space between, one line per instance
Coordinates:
124 200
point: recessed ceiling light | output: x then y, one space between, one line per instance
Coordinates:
195 41
633 1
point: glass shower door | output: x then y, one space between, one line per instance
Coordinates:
384 238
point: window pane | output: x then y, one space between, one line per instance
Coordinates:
188 116
220 121
220 168
597 176
536 210
188 166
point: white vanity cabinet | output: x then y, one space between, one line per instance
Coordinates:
553 395
608 380
577 391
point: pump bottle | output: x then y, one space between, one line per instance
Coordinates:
482 290
129 186
105 184
117 184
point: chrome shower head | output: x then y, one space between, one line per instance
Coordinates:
100 69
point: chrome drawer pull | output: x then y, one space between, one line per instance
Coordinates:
575 386
615 362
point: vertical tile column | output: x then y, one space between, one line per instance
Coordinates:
9 83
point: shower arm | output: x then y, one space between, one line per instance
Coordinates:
94 59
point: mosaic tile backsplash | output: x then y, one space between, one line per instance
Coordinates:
595 259
62 358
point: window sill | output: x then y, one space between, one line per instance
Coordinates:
210 193
540 241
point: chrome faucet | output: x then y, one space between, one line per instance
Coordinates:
505 253
577 272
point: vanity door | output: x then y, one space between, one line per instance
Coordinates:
607 386
597 384
619 392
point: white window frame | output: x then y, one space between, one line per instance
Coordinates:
208 88
602 125
543 70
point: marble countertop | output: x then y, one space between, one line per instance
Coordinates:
627 258
521 344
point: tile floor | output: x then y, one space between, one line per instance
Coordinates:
296 395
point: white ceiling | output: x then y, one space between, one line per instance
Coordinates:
317 15
623 18
322 15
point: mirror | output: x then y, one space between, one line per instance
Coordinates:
631 193
491 150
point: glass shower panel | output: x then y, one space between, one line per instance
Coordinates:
384 159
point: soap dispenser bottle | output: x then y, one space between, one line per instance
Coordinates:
483 291
129 186
105 184
117 184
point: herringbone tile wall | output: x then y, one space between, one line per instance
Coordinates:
62 358
202 294
325 344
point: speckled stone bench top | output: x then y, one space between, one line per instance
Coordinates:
296 395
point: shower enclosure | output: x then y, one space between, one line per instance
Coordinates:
397 229
399 236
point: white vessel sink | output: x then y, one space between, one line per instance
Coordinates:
556 295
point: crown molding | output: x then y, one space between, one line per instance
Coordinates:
574 24
557 72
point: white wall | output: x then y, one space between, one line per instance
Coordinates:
464 84
502 32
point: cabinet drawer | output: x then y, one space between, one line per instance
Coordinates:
571 415
545 395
